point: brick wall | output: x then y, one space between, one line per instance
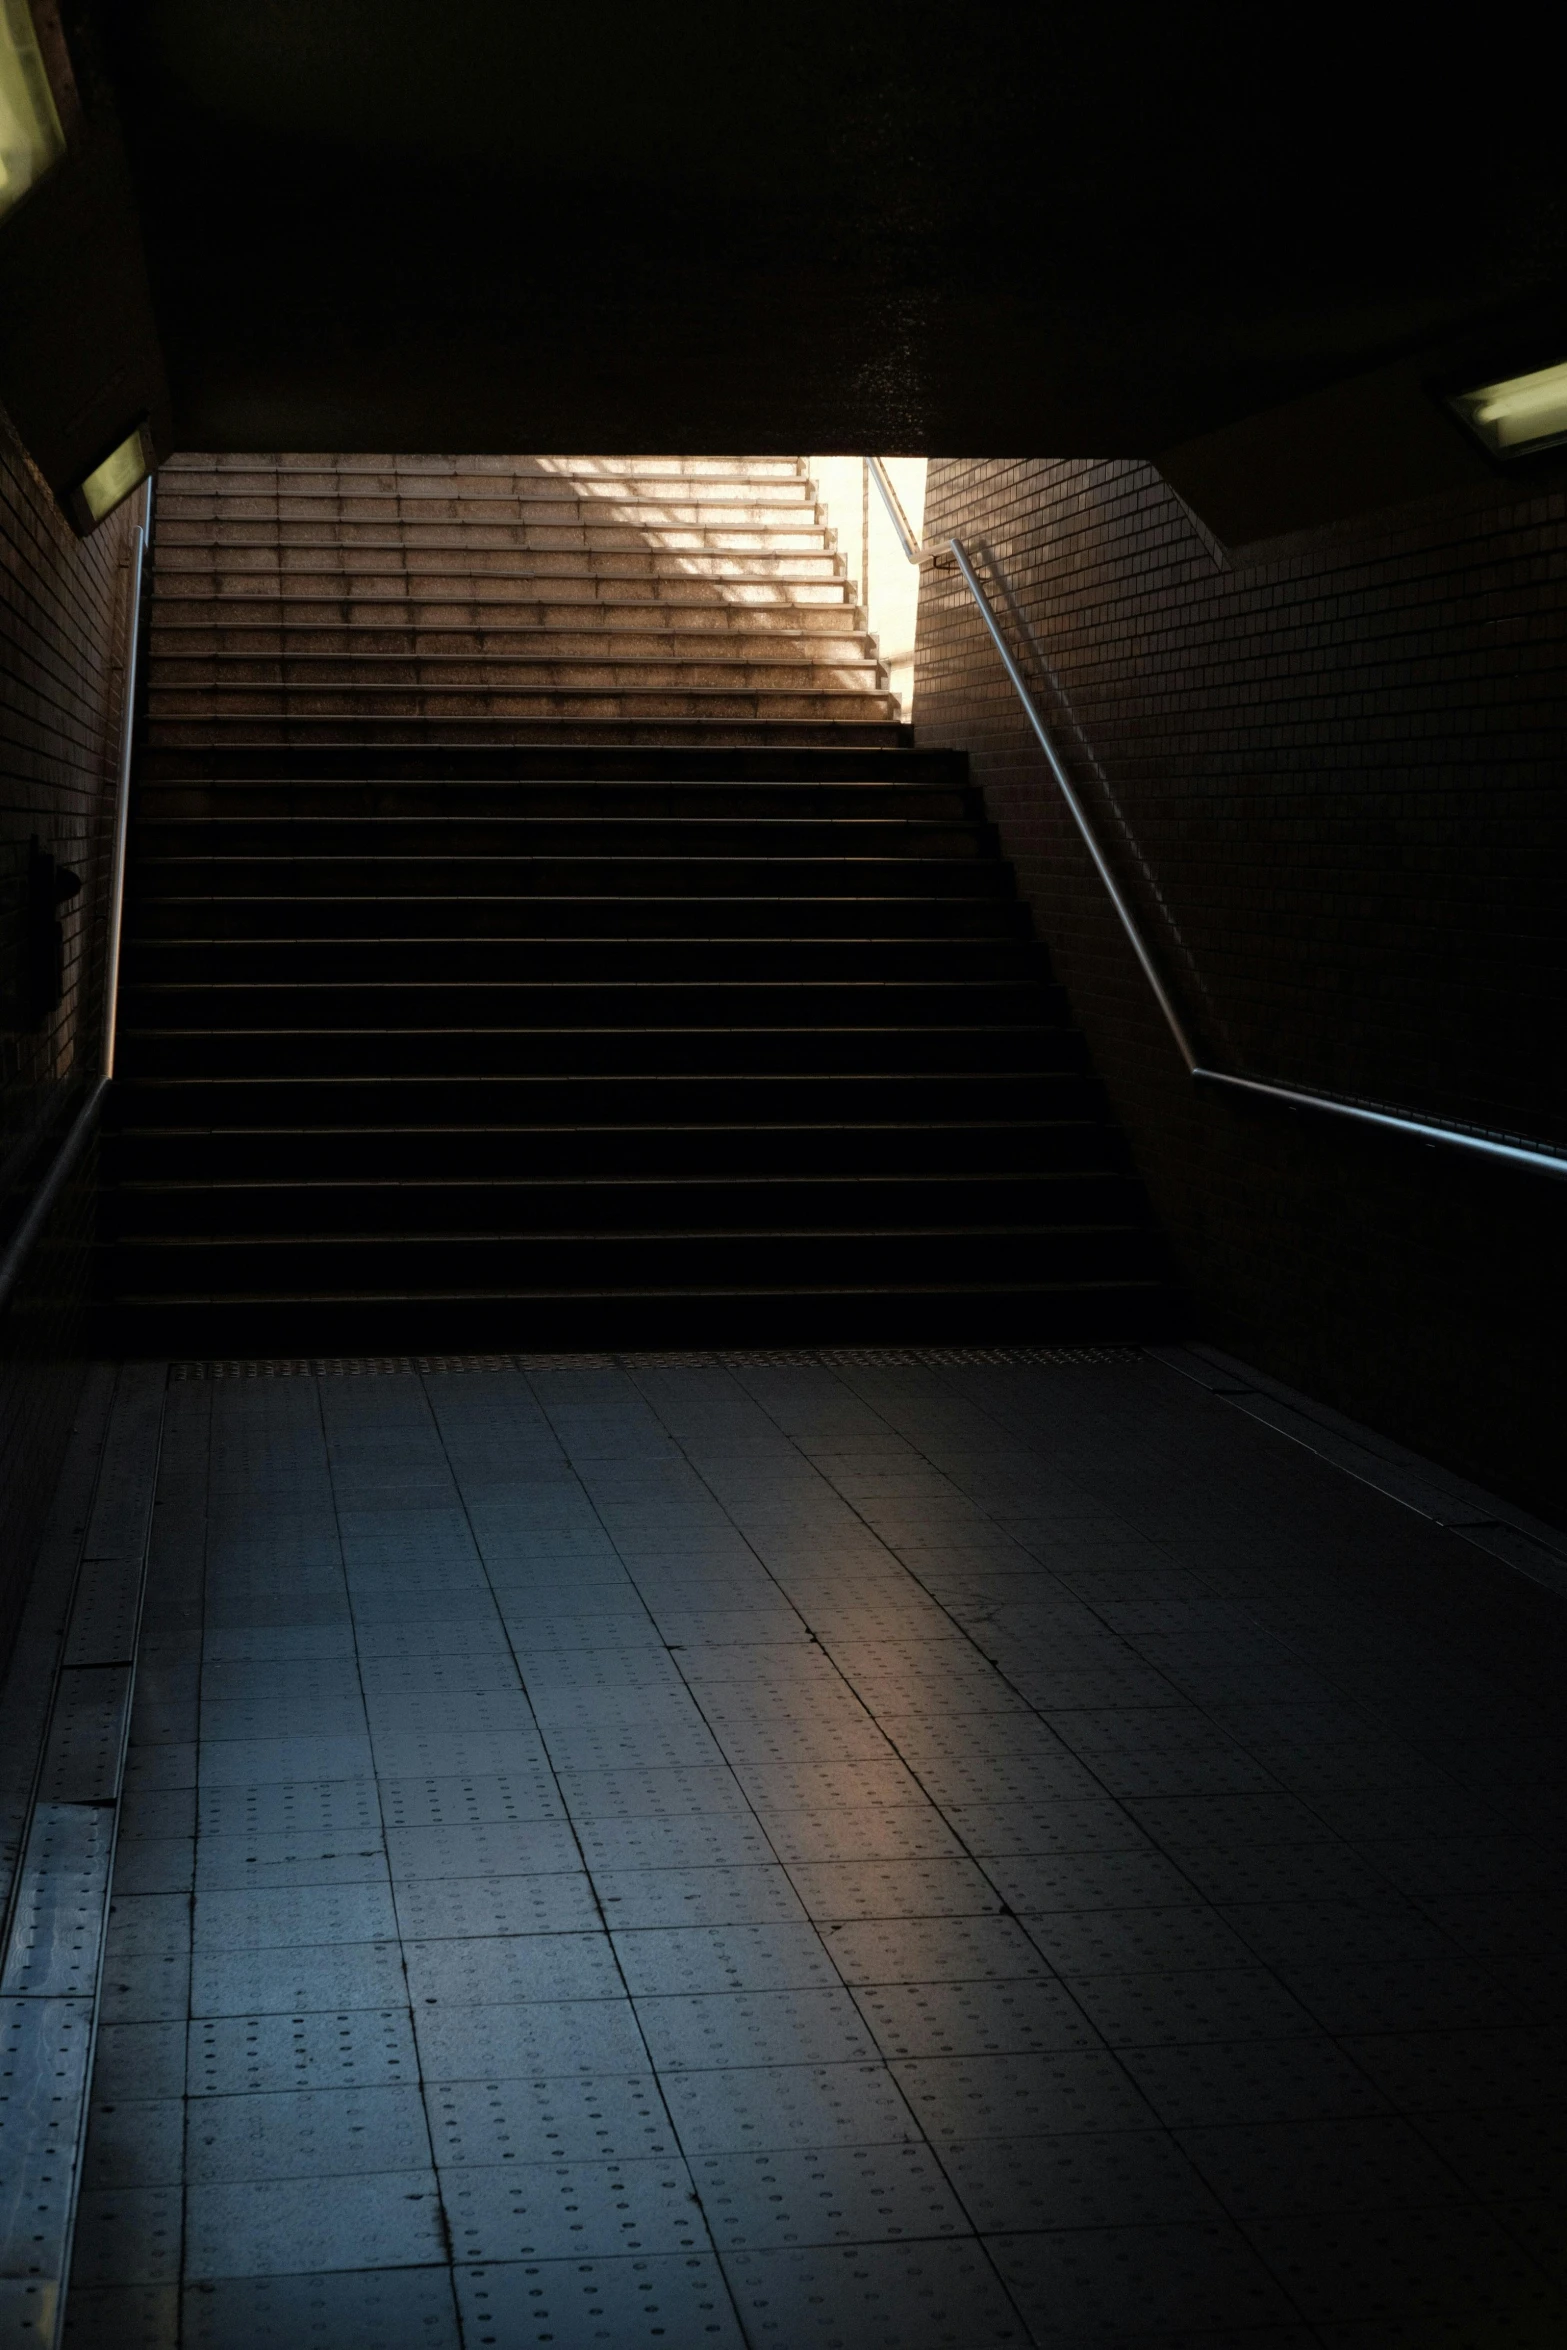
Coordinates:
1331 783
61 630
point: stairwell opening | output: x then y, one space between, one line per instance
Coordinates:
543 932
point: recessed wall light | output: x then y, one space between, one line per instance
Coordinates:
111 483
30 134
1519 414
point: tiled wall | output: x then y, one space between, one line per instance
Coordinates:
61 631
1331 783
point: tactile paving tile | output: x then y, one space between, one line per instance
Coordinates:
1015 2096
706 1841
654 1745
491 1848
831 2195
608 1628
566 2119
245 1762
229 2056
155 1864
1433 2266
127 2236
140 2060
1250 2080
1039 1884
771 1957
951 1887
633 1898
981 1776
754 2027
531 2039
516 1754
1080 1824
1276 2170
333 1713
1269 1873
932 1950
269 1859
105 1612
847 1742
609 1670
1425 2071
1082 2179
282 1643
1232 2003
310 2133
655 1793
974 2019
907 1831
491 1713
256 1610
571 2304
497 1970
288 1917
146 1926
134 2143
384 2220
541 2211
440 1679
86 1740
555 1903
289 1806
58 1906
278 1681
1137 1941
387 2309
815 1786
802 2106
682 1628
667 1707
379 1607
44 2049
930 2296
480 1637
436 1800
1189 2280
118 2317
306 1980
157 1814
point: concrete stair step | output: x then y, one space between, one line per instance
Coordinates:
330 502
233 705
305 641
462 559
544 533
383 735
613 599
536 670
1060 1151
287 464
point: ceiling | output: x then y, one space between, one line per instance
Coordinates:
480 224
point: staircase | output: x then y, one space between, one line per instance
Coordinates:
419 600
540 932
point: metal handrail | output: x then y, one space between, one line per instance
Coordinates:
122 810
64 1163
1541 1161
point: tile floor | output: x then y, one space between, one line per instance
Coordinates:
813 1856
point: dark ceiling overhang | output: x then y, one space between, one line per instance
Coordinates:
475 224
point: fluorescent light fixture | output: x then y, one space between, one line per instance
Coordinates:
1523 412
30 134
111 483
